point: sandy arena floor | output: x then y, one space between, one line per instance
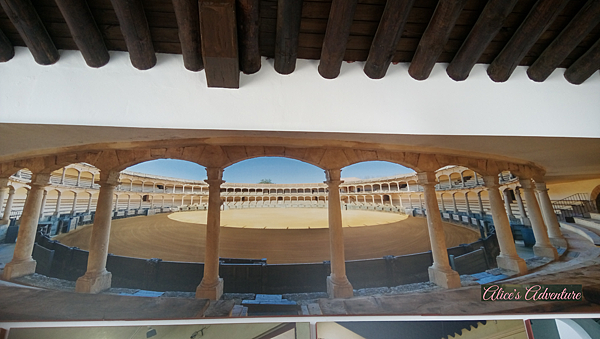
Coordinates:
181 236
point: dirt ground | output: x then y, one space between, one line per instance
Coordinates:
161 236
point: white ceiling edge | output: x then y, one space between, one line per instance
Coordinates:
168 96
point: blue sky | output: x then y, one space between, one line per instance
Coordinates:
279 170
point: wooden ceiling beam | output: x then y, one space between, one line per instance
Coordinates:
85 32
435 38
135 29
187 14
578 28
387 37
26 20
248 18
537 21
488 25
585 66
336 37
7 51
289 13
219 43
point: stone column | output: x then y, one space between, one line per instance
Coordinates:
8 206
116 202
128 201
542 247
508 258
400 199
421 202
467 203
22 262
3 192
58 201
507 203
92 183
191 200
338 285
211 286
410 201
442 201
440 272
481 211
62 178
454 207
74 207
78 179
151 202
162 204
89 205
97 278
554 232
43 205
522 212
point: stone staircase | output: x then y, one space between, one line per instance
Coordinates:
588 228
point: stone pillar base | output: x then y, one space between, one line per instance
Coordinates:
210 292
445 279
545 251
512 264
93 282
559 242
344 290
15 269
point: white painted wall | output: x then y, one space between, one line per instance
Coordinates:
169 96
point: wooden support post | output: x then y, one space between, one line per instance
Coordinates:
248 17
336 37
435 37
7 51
24 17
136 32
187 14
580 26
219 43
387 37
488 25
539 18
85 32
585 66
289 13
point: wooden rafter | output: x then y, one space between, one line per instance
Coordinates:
248 16
7 51
219 43
336 37
585 66
134 26
289 13
387 37
188 23
488 25
578 28
537 21
26 20
85 32
435 38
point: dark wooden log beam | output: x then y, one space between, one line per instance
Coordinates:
187 14
539 18
289 13
134 26
585 66
24 17
578 28
336 37
488 25
435 38
219 43
248 17
387 37
7 51
85 32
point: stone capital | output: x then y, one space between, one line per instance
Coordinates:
214 173
4 183
426 178
540 186
525 183
491 181
40 179
110 178
333 175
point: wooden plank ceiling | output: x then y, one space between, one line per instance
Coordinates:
225 37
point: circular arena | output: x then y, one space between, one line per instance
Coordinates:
281 235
